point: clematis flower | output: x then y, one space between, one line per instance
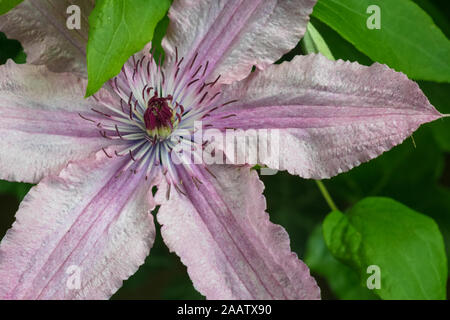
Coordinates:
97 160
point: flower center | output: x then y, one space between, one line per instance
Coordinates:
154 119
160 117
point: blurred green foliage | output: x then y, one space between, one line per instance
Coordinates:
404 246
417 175
404 36
6 5
11 49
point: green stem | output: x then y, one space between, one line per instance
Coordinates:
326 195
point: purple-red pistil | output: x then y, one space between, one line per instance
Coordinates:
159 113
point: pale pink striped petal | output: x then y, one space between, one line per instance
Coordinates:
40 124
41 27
223 235
233 36
330 115
86 222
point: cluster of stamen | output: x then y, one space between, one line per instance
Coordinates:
153 108
161 117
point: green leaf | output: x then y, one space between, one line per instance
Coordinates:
435 202
313 42
343 281
117 30
339 47
437 9
17 189
6 5
407 41
11 49
407 247
159 34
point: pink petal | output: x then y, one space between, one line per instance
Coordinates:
40 26
234 35
40 124
223 235
331 115
85 218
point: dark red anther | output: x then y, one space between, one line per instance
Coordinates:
179 63
203 98
195 73
206 67
143 91
215 95
159 113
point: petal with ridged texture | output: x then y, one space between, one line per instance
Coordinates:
40 124
41 27
223 235
233 36
85 220
329 115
